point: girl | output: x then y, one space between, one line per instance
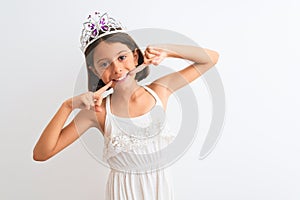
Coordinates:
132 141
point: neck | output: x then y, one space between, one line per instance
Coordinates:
125 91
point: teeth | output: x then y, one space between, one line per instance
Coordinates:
121 78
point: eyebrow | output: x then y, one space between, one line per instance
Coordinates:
116 55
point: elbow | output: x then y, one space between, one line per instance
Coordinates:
214 57
40 157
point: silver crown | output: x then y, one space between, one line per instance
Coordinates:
98 26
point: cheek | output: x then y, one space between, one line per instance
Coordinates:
130 64
105 76
102 72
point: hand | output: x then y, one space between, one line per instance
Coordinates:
154 55
89 100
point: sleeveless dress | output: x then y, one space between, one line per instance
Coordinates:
132 150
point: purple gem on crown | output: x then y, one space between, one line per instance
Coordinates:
96 26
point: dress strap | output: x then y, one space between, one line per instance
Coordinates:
107 105
158 101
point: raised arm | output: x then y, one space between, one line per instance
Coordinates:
203 59
55 138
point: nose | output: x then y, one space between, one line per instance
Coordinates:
116 67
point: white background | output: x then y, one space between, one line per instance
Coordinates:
257 156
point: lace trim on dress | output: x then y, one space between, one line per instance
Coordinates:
123 143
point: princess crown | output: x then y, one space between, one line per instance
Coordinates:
98 26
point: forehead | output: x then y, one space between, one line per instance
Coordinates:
108 50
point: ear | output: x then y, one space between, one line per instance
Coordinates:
136 56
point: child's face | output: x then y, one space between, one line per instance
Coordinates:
113 61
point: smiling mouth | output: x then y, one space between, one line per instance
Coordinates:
121 78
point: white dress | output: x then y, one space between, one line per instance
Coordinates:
132 150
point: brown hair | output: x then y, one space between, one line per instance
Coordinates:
94 83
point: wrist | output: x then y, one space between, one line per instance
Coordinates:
68 104
170 50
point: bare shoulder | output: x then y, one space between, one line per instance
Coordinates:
162 92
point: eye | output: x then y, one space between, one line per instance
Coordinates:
121 58
103 64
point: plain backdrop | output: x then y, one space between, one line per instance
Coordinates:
257 156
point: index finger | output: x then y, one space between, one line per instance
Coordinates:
104 88
138 69
153 51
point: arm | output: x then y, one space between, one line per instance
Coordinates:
55 138
203 60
